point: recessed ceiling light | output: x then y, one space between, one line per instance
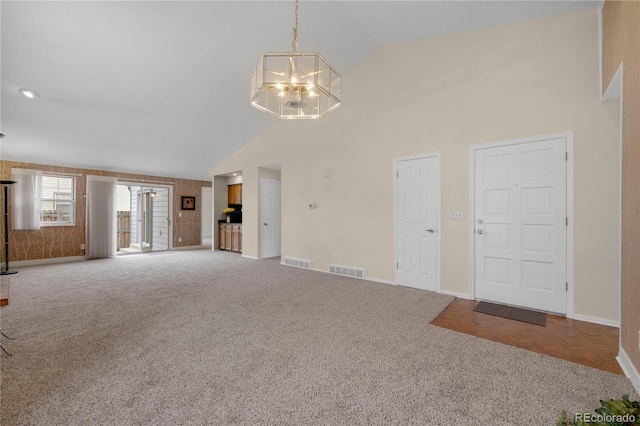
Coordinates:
235 174
29 93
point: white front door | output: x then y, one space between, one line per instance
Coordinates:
520 225
417 189
269 218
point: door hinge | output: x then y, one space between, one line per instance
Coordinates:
397 174
567 286
396 265
566 156
567 220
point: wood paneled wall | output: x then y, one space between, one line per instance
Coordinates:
621 43
62 241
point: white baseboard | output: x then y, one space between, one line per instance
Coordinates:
595 320
376 280
456 294
198 247
629 369
249 257
48 261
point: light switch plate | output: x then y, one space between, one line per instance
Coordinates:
455 215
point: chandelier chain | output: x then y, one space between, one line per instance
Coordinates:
294 43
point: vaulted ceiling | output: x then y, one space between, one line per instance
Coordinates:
162 88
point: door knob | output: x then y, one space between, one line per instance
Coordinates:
431 230
480 231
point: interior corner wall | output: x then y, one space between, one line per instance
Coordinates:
220 202
446 94
250 212
621 44
63 241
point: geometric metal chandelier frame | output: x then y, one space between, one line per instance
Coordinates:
295 85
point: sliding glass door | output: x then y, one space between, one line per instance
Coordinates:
144 218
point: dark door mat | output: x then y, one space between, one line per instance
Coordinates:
510 312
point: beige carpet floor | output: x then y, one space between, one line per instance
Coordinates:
197 337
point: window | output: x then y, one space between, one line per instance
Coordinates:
57 202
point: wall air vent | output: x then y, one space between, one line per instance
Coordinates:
298 263
347 271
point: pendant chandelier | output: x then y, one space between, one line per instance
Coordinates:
295 85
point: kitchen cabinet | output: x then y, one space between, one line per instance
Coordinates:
235 238
221 237
239 194
227 237
230 237
235 194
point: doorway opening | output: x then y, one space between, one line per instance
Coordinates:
143 218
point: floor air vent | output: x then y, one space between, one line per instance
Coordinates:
298 263
347 271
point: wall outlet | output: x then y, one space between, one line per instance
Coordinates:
455 215
179 214
179 239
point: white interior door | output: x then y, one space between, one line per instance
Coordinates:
417 215
520 225
269 218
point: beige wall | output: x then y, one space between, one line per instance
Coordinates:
445 94
62 241
621 43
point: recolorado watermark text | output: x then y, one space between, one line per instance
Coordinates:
605 418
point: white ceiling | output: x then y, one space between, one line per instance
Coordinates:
162 88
